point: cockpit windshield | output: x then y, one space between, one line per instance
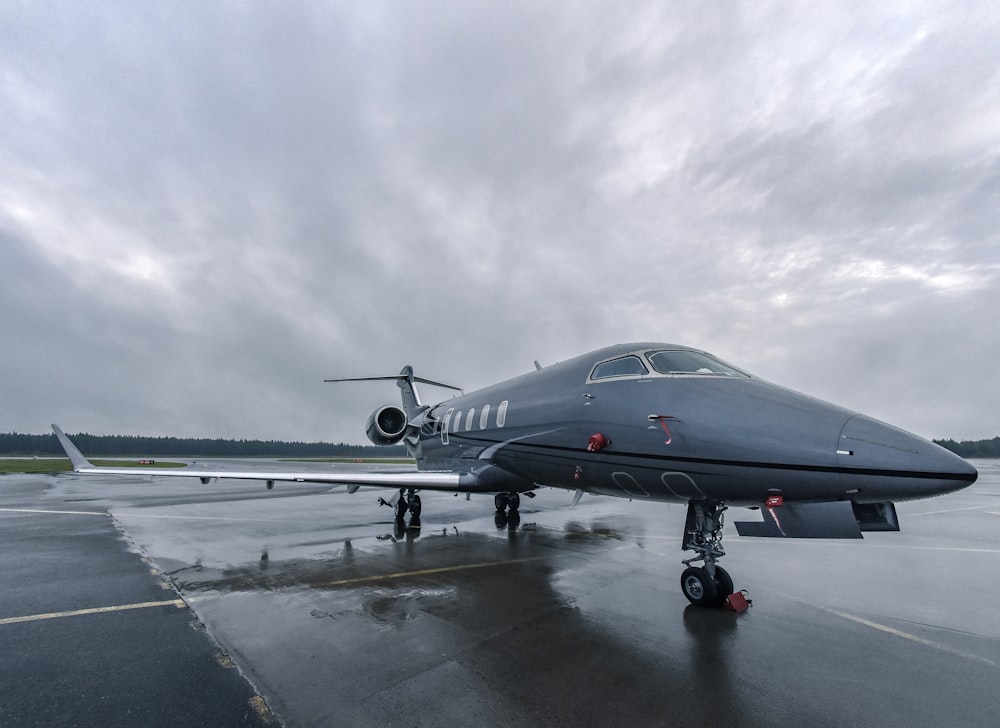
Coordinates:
685 361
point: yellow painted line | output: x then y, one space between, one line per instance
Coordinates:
96 610
426 572
62 513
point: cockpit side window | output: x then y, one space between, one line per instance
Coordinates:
626 366
685 361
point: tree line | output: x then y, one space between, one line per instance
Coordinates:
973 448
17 444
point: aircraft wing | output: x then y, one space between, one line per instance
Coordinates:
401 478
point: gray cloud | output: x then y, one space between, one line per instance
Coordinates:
204 211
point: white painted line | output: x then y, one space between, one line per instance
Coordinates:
62 513
130 514
857 544
892 631
951 510
942 548
96 610
907 636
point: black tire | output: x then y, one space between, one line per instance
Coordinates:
401 508
415 508
723 585
699 587
500 501
513 501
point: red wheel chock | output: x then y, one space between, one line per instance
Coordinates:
738 601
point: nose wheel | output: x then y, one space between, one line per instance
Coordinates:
708 585
704 590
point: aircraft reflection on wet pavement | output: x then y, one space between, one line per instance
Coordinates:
646 421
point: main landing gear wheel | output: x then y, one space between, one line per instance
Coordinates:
503 501
401 508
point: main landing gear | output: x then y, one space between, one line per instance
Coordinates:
708 585
507 515
505 501
408 500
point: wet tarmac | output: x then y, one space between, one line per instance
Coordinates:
311 603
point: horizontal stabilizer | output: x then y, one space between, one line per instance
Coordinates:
396 377
804 520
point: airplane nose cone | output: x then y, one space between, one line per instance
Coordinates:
903 465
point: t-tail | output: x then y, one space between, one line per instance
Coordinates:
390 424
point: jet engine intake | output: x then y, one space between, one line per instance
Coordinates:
386 425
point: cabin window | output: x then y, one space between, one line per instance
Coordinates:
626 366
484 418
502 414
468 419
685 361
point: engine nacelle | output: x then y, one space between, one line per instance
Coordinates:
386 425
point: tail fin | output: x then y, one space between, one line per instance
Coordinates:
75 456
411 400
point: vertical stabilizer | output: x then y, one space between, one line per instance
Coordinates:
411 400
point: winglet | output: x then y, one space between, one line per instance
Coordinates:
75 456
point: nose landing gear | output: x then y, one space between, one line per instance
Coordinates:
708 585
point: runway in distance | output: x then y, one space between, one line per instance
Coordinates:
646 421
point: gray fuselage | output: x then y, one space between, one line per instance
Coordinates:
714 433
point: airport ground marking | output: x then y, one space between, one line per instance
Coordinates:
907 636
891 631
129 514
60 513
426 572
179 603
859 544
949 510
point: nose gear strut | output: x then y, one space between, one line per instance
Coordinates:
708 585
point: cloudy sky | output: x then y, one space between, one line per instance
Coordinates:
207 208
